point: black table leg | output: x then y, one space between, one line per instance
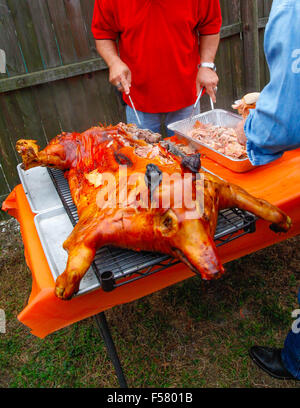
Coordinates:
111 349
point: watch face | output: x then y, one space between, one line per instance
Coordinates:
210 65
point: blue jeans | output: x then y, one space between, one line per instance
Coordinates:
291 351
152 121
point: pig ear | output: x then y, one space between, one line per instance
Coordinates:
167 224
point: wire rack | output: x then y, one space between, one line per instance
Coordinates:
127 266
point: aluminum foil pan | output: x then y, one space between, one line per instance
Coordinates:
54 227
39 189
218 117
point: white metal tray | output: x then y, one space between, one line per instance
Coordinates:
54 227
39 189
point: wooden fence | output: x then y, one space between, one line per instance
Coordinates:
55 80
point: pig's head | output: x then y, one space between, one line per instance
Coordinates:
182 226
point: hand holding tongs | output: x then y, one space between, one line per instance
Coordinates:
126 89
198 99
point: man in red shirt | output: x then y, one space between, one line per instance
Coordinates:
158 59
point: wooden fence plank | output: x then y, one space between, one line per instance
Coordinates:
81 44
62 30
26 34
262 58
260 9
9 42
45 34
92 104
64 106
262 22
87 7
230 30
224 10
267 7
32 126
79 109
223 63
111 111
8 159
92 92
51 74
4 191
223 58
234 12
45 102
12 117
249 12
236 47
4 186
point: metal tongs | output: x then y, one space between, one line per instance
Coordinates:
190 118
211 103
188 123
197 101
135 112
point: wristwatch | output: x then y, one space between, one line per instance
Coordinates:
210 65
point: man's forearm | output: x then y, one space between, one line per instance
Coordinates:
208 47
206 78
107 49
119 73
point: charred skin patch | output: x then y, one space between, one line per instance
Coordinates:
153 178
170 147
192 162
122 159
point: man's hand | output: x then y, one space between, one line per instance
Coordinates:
208 79
120 75
241 136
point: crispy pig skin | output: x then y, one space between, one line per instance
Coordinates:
87 157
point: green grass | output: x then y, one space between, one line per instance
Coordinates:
193 334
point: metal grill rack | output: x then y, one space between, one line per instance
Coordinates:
126 265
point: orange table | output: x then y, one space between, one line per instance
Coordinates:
277 182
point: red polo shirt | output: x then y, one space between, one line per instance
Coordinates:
158 42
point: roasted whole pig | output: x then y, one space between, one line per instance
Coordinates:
139 221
